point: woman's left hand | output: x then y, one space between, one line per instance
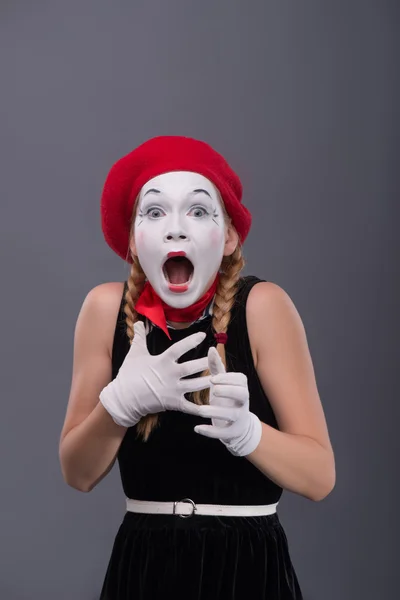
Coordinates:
241 430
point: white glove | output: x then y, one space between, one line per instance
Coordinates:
148 384
239 429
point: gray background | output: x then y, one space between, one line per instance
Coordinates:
302 98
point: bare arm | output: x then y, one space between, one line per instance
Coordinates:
299 456
90 439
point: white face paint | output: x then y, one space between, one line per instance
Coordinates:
180 212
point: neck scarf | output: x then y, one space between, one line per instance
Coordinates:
158 312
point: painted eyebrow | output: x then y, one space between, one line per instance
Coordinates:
197 191
201 191
152 191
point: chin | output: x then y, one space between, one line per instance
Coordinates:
181 299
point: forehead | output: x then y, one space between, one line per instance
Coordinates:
180 183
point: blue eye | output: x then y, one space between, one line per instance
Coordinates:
154 212
198 212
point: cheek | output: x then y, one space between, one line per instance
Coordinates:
215 238
143 240
139 238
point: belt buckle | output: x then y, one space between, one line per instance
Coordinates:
186 501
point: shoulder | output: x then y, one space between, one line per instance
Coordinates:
99 311
271 314
105 295
267 296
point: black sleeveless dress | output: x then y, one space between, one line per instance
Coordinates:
200 557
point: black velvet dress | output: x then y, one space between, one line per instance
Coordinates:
201 557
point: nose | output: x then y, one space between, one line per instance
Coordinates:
176 236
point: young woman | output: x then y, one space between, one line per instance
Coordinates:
199 381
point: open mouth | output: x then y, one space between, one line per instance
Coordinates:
178 270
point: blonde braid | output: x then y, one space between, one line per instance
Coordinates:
223 302
136 282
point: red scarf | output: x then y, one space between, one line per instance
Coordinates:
158 312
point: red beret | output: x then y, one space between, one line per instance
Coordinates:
157 156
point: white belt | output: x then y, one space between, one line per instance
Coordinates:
187 508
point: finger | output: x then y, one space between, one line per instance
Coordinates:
237 379
224 393
210 431
189 407
230 415
196 384
180 348
215 363
191 367
139 337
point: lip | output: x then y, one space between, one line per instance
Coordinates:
173 254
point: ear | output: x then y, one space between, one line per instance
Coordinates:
231 240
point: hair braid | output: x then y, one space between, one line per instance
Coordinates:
135 283
231 268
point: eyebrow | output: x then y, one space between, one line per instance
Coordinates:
201 191
197 191
152 191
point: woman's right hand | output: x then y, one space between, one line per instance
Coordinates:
148 384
